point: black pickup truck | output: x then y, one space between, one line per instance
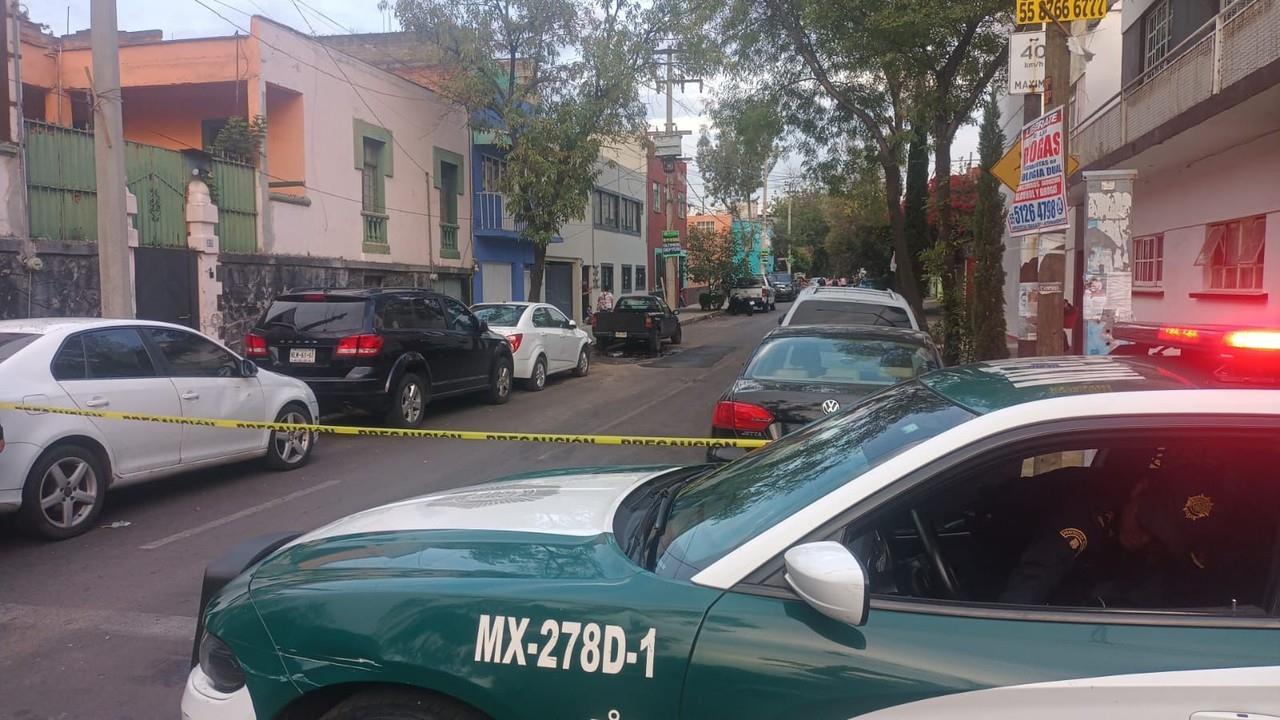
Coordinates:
637 318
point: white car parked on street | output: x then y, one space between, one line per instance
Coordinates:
830 305
55 469
543 341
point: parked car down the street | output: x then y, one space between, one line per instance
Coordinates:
799 374
1081 537
55 470
831 305
543 341
389 351
785 286
751 293
637 318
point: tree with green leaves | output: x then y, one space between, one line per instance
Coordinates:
712 260
555 80
989 332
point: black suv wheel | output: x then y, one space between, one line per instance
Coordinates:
408 402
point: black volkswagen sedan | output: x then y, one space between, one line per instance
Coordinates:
800 373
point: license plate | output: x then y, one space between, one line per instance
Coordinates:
612 334
302 355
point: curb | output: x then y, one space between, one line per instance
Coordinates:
700 318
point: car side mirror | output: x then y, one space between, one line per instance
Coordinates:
675 312
726 454
830 580
571 324
482 326
248 368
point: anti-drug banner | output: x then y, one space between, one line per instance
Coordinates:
1040 203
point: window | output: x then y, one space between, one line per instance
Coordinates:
626 279
68 364
460 318
606 277
428 314
839 312
542 319
331 315
117 353
647 303
558 318
11 343
371 191
857 361
1156 36
1155 520
398 313
606 209
631 215
683 208
707 226
641 282
1148 261
657 197
189 355
492 170
717 512
1233 254
500 315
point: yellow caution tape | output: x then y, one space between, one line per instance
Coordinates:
395 432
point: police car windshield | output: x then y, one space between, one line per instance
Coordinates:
718 512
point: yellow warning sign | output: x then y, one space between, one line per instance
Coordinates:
1009 168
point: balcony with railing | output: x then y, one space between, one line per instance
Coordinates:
1242 38
375 232
449 240
490 213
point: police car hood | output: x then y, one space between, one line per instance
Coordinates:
578 502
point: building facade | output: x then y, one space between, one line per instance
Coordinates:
361 178
668 202
503 260
1179 100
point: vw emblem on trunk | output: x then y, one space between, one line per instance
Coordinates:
830 406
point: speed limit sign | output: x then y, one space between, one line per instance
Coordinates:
1026 63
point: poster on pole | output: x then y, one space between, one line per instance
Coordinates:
1040 202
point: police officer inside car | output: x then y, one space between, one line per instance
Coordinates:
1156 547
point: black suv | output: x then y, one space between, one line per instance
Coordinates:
385 350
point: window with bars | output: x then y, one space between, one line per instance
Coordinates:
657 197
631 215
1148 261
1233 254
1156 34
641 282
606 277
626 278
684 206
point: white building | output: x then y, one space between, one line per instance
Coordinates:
1185 94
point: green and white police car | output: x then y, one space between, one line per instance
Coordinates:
1064 538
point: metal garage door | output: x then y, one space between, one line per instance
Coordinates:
495 278
559 290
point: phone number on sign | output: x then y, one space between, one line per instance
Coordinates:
1043 212
592 647
1030 11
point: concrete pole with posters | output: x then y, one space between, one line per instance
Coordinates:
1108 270
1053 246
114 262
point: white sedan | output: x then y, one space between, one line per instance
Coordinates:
55 469
543 341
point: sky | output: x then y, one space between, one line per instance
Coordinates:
188 18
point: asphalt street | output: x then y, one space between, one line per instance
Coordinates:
100 627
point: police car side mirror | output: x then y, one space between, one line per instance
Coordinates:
830 580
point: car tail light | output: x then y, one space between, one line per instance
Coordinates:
745 417
255 345
515 339
648 323
359 346
1254 339
314 297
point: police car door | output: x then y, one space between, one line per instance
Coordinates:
926 651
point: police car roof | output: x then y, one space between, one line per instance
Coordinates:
996 384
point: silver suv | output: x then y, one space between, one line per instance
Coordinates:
850 306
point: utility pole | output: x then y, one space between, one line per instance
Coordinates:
114 271
1053 259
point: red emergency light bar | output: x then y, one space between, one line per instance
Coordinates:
1222 338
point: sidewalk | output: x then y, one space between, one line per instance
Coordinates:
692 313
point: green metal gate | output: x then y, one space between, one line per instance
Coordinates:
63 195
156 178
233 192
